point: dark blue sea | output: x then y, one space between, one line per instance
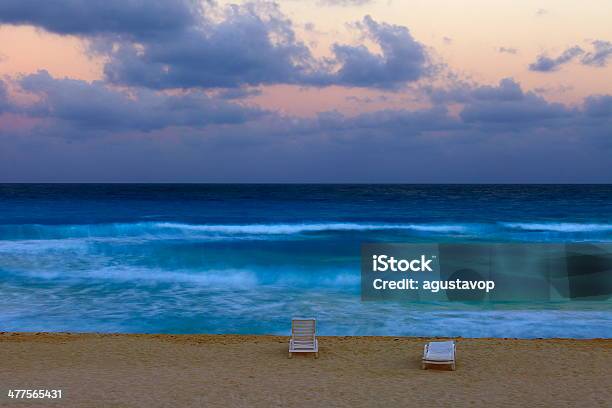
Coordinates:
246 258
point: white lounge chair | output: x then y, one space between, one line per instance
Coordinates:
439 352
303 337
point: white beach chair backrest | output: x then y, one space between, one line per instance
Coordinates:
303 330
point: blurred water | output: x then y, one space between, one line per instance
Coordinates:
245 258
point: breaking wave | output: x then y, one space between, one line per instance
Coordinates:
559 226
170 229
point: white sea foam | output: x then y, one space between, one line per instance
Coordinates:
153 230
226 278
559 227
311 227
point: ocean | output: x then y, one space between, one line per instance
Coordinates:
171 258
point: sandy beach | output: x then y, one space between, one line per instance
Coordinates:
253 371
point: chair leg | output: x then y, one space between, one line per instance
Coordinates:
290 355
453 366
317 354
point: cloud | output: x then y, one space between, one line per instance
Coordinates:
499 133
180 45
410 123
93 106
135 17
599 106
544 63
598 57
500 108
4 100
345 3
513 114
504 106
507 90
402 58
176 43
602 51
240 51
239 93
168 107
250 45
507 50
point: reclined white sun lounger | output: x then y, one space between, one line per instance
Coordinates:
439 352
303 337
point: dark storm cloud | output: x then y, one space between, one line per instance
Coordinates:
95 106
91 17
544 63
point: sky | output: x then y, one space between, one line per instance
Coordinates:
332 91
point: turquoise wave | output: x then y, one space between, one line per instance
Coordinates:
525 231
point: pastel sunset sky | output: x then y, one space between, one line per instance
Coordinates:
306 91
